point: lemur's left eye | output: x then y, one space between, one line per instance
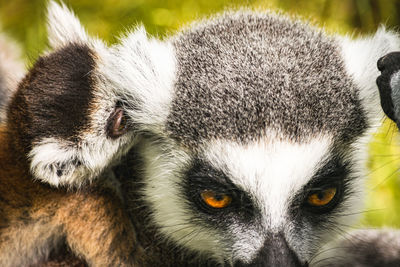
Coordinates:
216 200
117 123
322 197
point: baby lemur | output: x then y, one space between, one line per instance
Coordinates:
64 126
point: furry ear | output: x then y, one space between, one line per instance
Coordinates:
67 117
389 85
63 27
143 69
78 90
360 56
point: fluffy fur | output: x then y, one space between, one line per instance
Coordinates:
250 87
365 248
233 95
372 247
218 106
66 138
38 222
56 131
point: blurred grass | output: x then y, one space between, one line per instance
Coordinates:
25 21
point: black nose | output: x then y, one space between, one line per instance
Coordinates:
275 252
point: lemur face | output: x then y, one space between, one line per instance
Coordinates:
251 130
256 157
69 118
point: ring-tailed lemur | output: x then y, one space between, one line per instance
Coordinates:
65 125
249 132
257 156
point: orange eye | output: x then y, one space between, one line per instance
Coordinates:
322 198
215 200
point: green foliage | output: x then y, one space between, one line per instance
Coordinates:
25 21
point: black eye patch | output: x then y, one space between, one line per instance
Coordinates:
201 177
325 191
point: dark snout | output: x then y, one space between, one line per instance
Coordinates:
275 252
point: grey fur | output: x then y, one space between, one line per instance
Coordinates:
242 73
239 77
395 85
367 248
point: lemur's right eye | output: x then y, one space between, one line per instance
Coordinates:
216 200
322 197
117 123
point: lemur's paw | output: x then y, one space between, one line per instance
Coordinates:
389 85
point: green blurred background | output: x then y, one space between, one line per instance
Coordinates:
24 20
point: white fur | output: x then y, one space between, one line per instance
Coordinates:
96 153
11 71
143 69
360 58
358 155
270 171
12 68
395 85
63 26
170 211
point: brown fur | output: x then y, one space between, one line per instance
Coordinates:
37 220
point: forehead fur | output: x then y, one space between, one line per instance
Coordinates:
271 172
243 73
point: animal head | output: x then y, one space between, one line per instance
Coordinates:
67 115
258 155
251 127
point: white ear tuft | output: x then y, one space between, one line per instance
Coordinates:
63 27
360 57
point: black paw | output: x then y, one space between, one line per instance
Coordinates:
388 65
